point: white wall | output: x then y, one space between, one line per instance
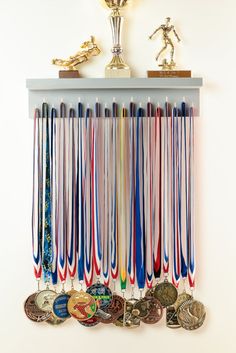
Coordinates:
31 33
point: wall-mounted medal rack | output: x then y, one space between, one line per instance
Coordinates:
113 201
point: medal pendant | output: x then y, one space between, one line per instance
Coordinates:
33 312
101 293
128 319
166 293
44 300
82 306
155 311
191 315
60 306
115 309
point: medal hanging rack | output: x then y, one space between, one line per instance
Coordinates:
113 201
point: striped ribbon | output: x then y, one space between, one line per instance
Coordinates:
191 238
36 198
139 218
114 233
157 194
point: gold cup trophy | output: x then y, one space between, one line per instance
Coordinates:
117 66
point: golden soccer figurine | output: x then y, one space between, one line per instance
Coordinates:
89 49
167 29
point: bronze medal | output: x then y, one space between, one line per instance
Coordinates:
191 315
54 321
155 311
82 306
166 293
171 318
115 309
44 300
33 312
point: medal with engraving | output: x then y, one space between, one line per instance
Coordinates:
191 315
101 293
182 298
128 319
33 312
155 311
141 308
166 293
60 306
115 309
82 306
44 299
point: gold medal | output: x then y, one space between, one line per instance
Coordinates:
82 306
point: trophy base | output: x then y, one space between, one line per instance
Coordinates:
169 73
117 68
69 74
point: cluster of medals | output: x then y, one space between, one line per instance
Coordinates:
113 201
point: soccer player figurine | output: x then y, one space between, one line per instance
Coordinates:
167 29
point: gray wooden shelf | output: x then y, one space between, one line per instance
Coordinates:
88 89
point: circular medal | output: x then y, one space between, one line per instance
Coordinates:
93 321
171 317
101 293
182 298
60 306
155 311
115 309
44 299
191 314
82 306
166 293
33 312
54 321
141 308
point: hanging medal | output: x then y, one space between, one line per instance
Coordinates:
31 309
191 313
166 292
44 299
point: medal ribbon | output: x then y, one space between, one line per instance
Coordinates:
131 258
191 240
88 188
54 194
157 194
175 200
72 201
139 226
36 197
114 233
96 192
47 236
148 192
62 213
165 196
122 225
